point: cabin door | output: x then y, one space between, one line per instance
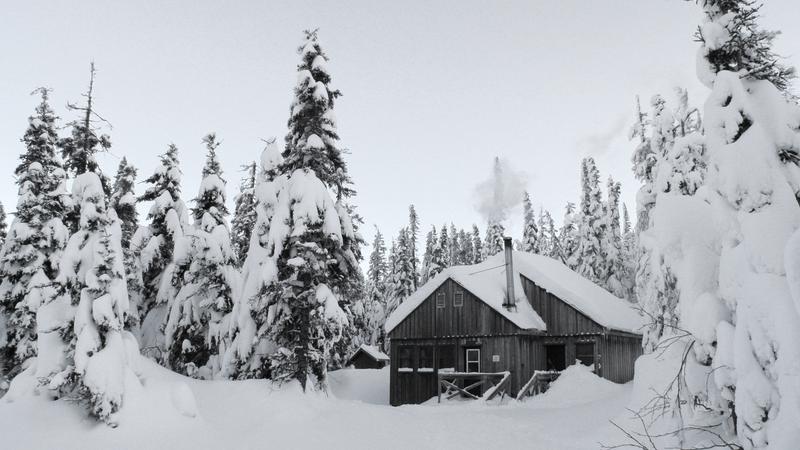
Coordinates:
556 355
472 363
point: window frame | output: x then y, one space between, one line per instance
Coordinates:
458 298
427 361
468 361
441 296
410 367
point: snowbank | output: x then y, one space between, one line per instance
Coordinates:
576 385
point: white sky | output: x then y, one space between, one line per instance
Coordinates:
432 90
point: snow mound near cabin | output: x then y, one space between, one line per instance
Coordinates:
363 385
576 385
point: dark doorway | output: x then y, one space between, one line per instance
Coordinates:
584 352
556 357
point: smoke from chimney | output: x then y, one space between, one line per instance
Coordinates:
501 192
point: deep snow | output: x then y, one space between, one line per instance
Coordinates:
175 412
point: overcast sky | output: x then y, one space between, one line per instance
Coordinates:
432 90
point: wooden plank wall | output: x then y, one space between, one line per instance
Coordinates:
474 318
560 317
619 355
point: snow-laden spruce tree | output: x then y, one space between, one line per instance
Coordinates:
530 232
375 303
464 247
32 250
548 236
84 351
248 354
589 253
616 280
196 330
402 275
123 200
244 215
155 244
79 148
311 234
3 226
727 247
444 246
567 237
413 238
477 245
752 136
644 161
431 241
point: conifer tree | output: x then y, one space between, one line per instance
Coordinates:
413 234
402 286
316 247
123 201
464 247
438 262
431 241
156 244
208 278
444 246
88 354
3 226
591 227
33 247
644 161
530 232
567 237
616 281
544 243
249 353
245 215
554 248
477 245
79 148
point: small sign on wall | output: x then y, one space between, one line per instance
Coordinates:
495 358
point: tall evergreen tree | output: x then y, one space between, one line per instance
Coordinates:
86 353
544 228
208 278
245 214
567 237
156 248
590 256
3 226
249 353
123 201
35 242
616 280
413 235
84 141
530 232
465 249
477 245
431 241
316 246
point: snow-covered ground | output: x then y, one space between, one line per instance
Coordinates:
574 414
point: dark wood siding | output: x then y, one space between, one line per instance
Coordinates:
560 317
618 353
474 318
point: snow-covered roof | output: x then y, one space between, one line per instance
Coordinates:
487 281
373 352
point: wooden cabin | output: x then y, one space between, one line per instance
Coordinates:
514 312
368 357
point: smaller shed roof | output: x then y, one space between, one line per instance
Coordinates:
372 351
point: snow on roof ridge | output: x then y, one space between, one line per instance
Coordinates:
551 275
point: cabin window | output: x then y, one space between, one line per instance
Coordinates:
473 360
426 359
440 300
584 352
405 359
458 298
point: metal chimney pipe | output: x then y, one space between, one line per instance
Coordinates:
510 302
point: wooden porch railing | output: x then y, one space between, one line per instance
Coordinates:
538 383
449 382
